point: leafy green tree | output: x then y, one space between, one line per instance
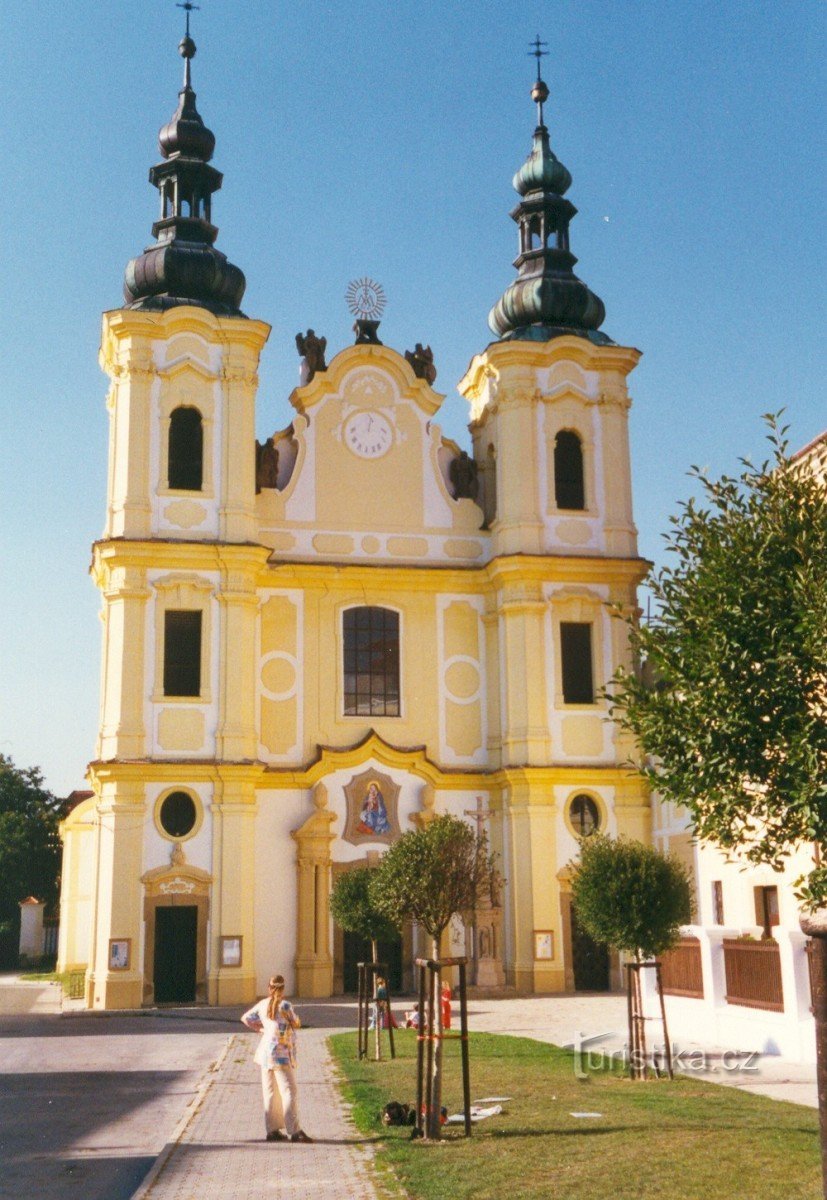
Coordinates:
29 844
632 898
428 876
736 726
353 909
629 896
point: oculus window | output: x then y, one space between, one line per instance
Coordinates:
182 653
186 450
178 814
569 491
584 816
576 658
371 662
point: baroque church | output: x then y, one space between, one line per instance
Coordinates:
295 672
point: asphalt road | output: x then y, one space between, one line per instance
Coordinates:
87 1102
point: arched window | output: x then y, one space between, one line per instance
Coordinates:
186 450
371 662
584 816
568 471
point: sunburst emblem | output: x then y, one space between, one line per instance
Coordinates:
366 298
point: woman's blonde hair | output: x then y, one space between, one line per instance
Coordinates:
276 990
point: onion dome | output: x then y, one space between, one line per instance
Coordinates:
546 300
183 266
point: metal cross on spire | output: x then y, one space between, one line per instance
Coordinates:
537 51
539 93
188 6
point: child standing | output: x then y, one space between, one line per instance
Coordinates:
277 1021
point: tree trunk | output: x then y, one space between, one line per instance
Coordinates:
815 926
433 1127
377 1036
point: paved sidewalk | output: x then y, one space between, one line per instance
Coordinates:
218 1152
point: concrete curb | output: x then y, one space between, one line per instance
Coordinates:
205 1083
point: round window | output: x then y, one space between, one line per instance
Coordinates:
177 815
584 816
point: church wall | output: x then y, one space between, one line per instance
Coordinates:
279 812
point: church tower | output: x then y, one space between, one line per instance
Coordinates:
549 406
177 568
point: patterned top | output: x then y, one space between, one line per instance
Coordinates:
277 1047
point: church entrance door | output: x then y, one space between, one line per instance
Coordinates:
357 949
175 946
590 961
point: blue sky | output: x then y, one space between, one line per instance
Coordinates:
380 139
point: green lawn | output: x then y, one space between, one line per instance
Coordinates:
685 1139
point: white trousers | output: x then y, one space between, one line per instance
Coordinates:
280 1094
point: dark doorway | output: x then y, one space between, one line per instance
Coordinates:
357 949
175 942
590 961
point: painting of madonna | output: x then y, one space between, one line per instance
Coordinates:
373 817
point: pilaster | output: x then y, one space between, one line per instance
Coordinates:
314 960
121 809
233 901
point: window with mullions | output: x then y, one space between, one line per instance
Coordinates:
371 660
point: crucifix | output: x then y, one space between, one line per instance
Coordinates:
480 815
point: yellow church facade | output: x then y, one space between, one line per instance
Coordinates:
313 646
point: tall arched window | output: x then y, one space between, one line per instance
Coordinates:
371 662
186 450
568 471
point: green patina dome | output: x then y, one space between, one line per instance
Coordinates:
542 170
546 300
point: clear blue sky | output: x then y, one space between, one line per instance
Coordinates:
380 139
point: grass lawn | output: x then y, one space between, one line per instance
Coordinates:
685 1139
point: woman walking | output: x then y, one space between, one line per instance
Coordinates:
277 1021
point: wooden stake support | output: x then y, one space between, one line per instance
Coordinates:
430 1032
367 973
638 1059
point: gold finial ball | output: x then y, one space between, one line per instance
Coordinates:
186 47
539 93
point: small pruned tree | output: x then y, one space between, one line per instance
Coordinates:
634 899
429 876
353 908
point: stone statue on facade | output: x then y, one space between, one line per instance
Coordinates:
267 465
312 351
463 475
422 361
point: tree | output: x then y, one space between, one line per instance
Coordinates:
428 876
635 899
353 908
630 897
735 727
29 845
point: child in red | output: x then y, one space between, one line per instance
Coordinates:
445 1002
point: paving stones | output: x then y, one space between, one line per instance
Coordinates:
220 1150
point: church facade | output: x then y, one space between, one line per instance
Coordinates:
313 645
